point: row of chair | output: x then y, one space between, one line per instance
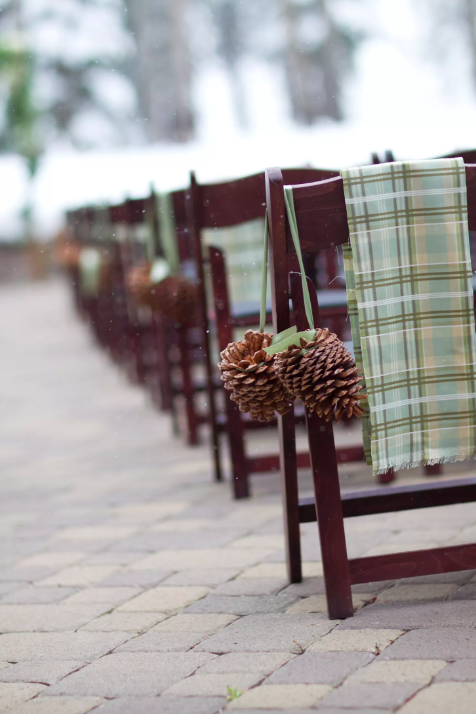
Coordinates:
178 361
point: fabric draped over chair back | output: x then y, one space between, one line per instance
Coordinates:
409 283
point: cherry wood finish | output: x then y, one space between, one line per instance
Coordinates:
321 219
223 205
237 424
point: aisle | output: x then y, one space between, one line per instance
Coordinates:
132 584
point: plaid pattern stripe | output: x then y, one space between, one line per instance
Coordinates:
243 248
409 283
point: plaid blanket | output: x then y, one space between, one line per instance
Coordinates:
243 247
409 282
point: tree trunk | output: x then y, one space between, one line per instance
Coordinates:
163 67
313 71
227 17
470 13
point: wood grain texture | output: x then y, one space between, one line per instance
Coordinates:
416 562
281 321
326 484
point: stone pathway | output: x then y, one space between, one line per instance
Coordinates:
131 584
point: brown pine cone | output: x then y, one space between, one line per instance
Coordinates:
139 285
67 254
325 377
249 374
105 276
175 298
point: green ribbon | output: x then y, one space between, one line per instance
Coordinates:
90 271
283 340
167 228
289 201
264 278
159 270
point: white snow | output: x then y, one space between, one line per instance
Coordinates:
398 98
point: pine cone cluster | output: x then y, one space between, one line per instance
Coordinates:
249 374
105 275
139 285
322 373
67 254
175 298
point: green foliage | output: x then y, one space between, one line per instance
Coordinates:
233 693
20 133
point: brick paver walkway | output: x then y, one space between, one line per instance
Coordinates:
131 584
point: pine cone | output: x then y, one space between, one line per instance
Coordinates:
175 298
139 285
325 377
105 276
67 254
249 374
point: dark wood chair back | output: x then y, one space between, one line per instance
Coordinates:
322 223
224 205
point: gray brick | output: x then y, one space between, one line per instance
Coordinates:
459 577
375 696
154 641
465 592
202 576
47 618
9 586
404 616
82 646
214 685
308 587
464 670
27 575
338 710
87 545
151 542
107 557
39 672
264 662
320 668
134 578
253 586
296 711
126 674
164 705
268 633
372 588
242 605
38 595
435 643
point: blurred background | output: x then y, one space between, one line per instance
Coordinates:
99 98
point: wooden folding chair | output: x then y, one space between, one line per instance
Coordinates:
228 205
183 343
229 316
322 222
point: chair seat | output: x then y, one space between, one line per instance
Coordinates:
326 298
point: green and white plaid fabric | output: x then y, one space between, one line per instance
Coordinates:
90 271
242 245
243 248
409 282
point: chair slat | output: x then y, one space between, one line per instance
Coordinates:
416 562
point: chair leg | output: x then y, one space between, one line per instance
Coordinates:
434 470
187 387
139 362
387 477
329 517
211 406
164 376
289 478
236 441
